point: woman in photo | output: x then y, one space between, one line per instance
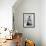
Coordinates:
29 21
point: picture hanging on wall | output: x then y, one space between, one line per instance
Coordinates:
29 20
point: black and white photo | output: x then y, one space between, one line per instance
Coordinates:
29 20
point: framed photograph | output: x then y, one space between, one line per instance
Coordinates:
29 20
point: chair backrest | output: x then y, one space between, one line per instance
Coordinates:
29 43
18 37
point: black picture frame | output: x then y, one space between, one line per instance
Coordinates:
28 20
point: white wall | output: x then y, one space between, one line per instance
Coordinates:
29 6
43 22
6 13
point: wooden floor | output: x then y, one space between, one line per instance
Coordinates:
9 43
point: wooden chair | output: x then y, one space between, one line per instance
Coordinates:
29 43
18 39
